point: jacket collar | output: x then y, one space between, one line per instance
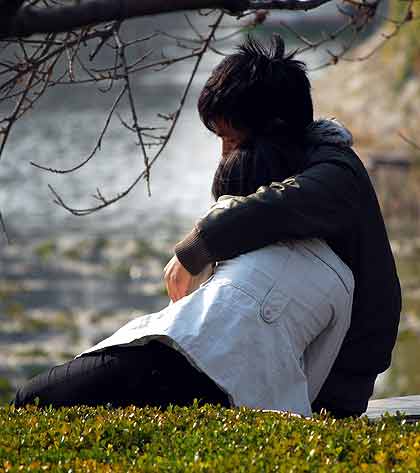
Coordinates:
324 132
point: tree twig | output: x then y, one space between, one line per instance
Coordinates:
409 141
136 126
97 145
4 229
142 175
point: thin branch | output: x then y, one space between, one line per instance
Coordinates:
17 110
409 141
121 51
158 65
97 146
397 25
174 118
45 57
4 229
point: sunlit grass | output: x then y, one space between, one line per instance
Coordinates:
201 439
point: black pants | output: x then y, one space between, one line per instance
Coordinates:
153 374
338 413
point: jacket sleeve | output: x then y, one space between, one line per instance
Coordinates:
321 202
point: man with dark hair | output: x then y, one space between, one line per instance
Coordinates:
254 87
329 195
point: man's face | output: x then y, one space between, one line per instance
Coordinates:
231 137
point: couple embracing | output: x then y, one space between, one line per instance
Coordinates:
285 294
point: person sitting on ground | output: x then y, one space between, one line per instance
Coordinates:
328 195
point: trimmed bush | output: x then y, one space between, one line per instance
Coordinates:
201 439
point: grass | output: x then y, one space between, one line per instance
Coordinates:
46 250
6 391
200 439
145 250
32 353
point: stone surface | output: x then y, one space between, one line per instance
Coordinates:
366 96
407 405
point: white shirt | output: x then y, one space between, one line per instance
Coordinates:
266 327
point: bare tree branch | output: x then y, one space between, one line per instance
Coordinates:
97 146
23 104
80 55
27 20
397 25
136 126
4 229
301 5
105 202
409 141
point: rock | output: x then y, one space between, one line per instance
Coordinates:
365 95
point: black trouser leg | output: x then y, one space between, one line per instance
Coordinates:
153 374
338 413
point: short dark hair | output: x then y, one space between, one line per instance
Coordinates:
257 162
256 85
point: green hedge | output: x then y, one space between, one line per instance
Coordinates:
200 439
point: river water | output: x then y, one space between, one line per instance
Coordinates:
66 124
68 281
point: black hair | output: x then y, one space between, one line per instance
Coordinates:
257 162
256 85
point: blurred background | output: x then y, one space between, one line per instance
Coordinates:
67 282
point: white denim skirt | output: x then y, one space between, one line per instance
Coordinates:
266 327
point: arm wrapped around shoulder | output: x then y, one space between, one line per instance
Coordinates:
321 202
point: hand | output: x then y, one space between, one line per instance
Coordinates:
177 279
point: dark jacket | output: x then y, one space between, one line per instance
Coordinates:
332 198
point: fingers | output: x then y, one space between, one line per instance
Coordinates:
167 278
177 279
168 283
172 288
176 289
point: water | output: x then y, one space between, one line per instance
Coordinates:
64 128
61 134
68 281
